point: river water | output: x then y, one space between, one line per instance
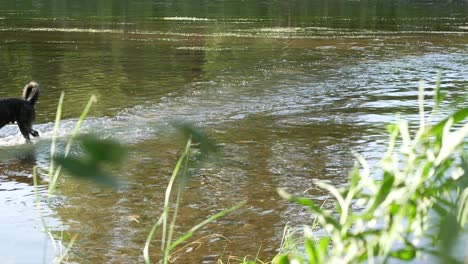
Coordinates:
287 89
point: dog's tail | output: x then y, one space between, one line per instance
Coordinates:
31 92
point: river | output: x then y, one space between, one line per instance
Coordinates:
287 89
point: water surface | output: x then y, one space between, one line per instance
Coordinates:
287 90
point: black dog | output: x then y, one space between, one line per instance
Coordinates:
21 111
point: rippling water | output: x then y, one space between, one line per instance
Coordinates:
288 90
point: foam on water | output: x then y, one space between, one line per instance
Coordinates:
306 97
131 126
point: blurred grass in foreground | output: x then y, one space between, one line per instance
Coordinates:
412 206
98 154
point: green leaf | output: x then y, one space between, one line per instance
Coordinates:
103 150
207 146
282 260
85 170
317 252
311 251
394 208
344 205
408 253
449 233
458 116
462 216
212 218
316 209
451 140
438 95
354 176
462 182
384 190
323 248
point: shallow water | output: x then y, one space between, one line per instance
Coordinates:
287 90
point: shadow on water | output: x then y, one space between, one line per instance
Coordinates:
287 90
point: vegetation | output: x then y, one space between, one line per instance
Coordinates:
181 174
412 205
96 153
54 174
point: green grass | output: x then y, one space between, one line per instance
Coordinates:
413 204
54 171
180 174
88 165
61 251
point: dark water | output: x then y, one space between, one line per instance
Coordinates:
287 89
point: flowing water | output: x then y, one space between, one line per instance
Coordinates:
287 89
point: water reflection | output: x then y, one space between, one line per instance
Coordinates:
287 90
20 223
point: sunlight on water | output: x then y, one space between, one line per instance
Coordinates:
139 123
186 19
287 90
135 124
78 30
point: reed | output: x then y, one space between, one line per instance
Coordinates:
61 251
180 175
54 171
88 166
412 205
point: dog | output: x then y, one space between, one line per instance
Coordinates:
21 111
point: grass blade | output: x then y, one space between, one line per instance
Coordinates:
457 117
56 173
212 218
52 176
150 236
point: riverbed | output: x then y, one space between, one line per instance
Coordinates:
287 90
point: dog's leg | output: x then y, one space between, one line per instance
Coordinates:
25 130
34 133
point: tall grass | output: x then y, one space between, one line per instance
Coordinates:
54 171
410 206
96 152
180 174
413 204
61 251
